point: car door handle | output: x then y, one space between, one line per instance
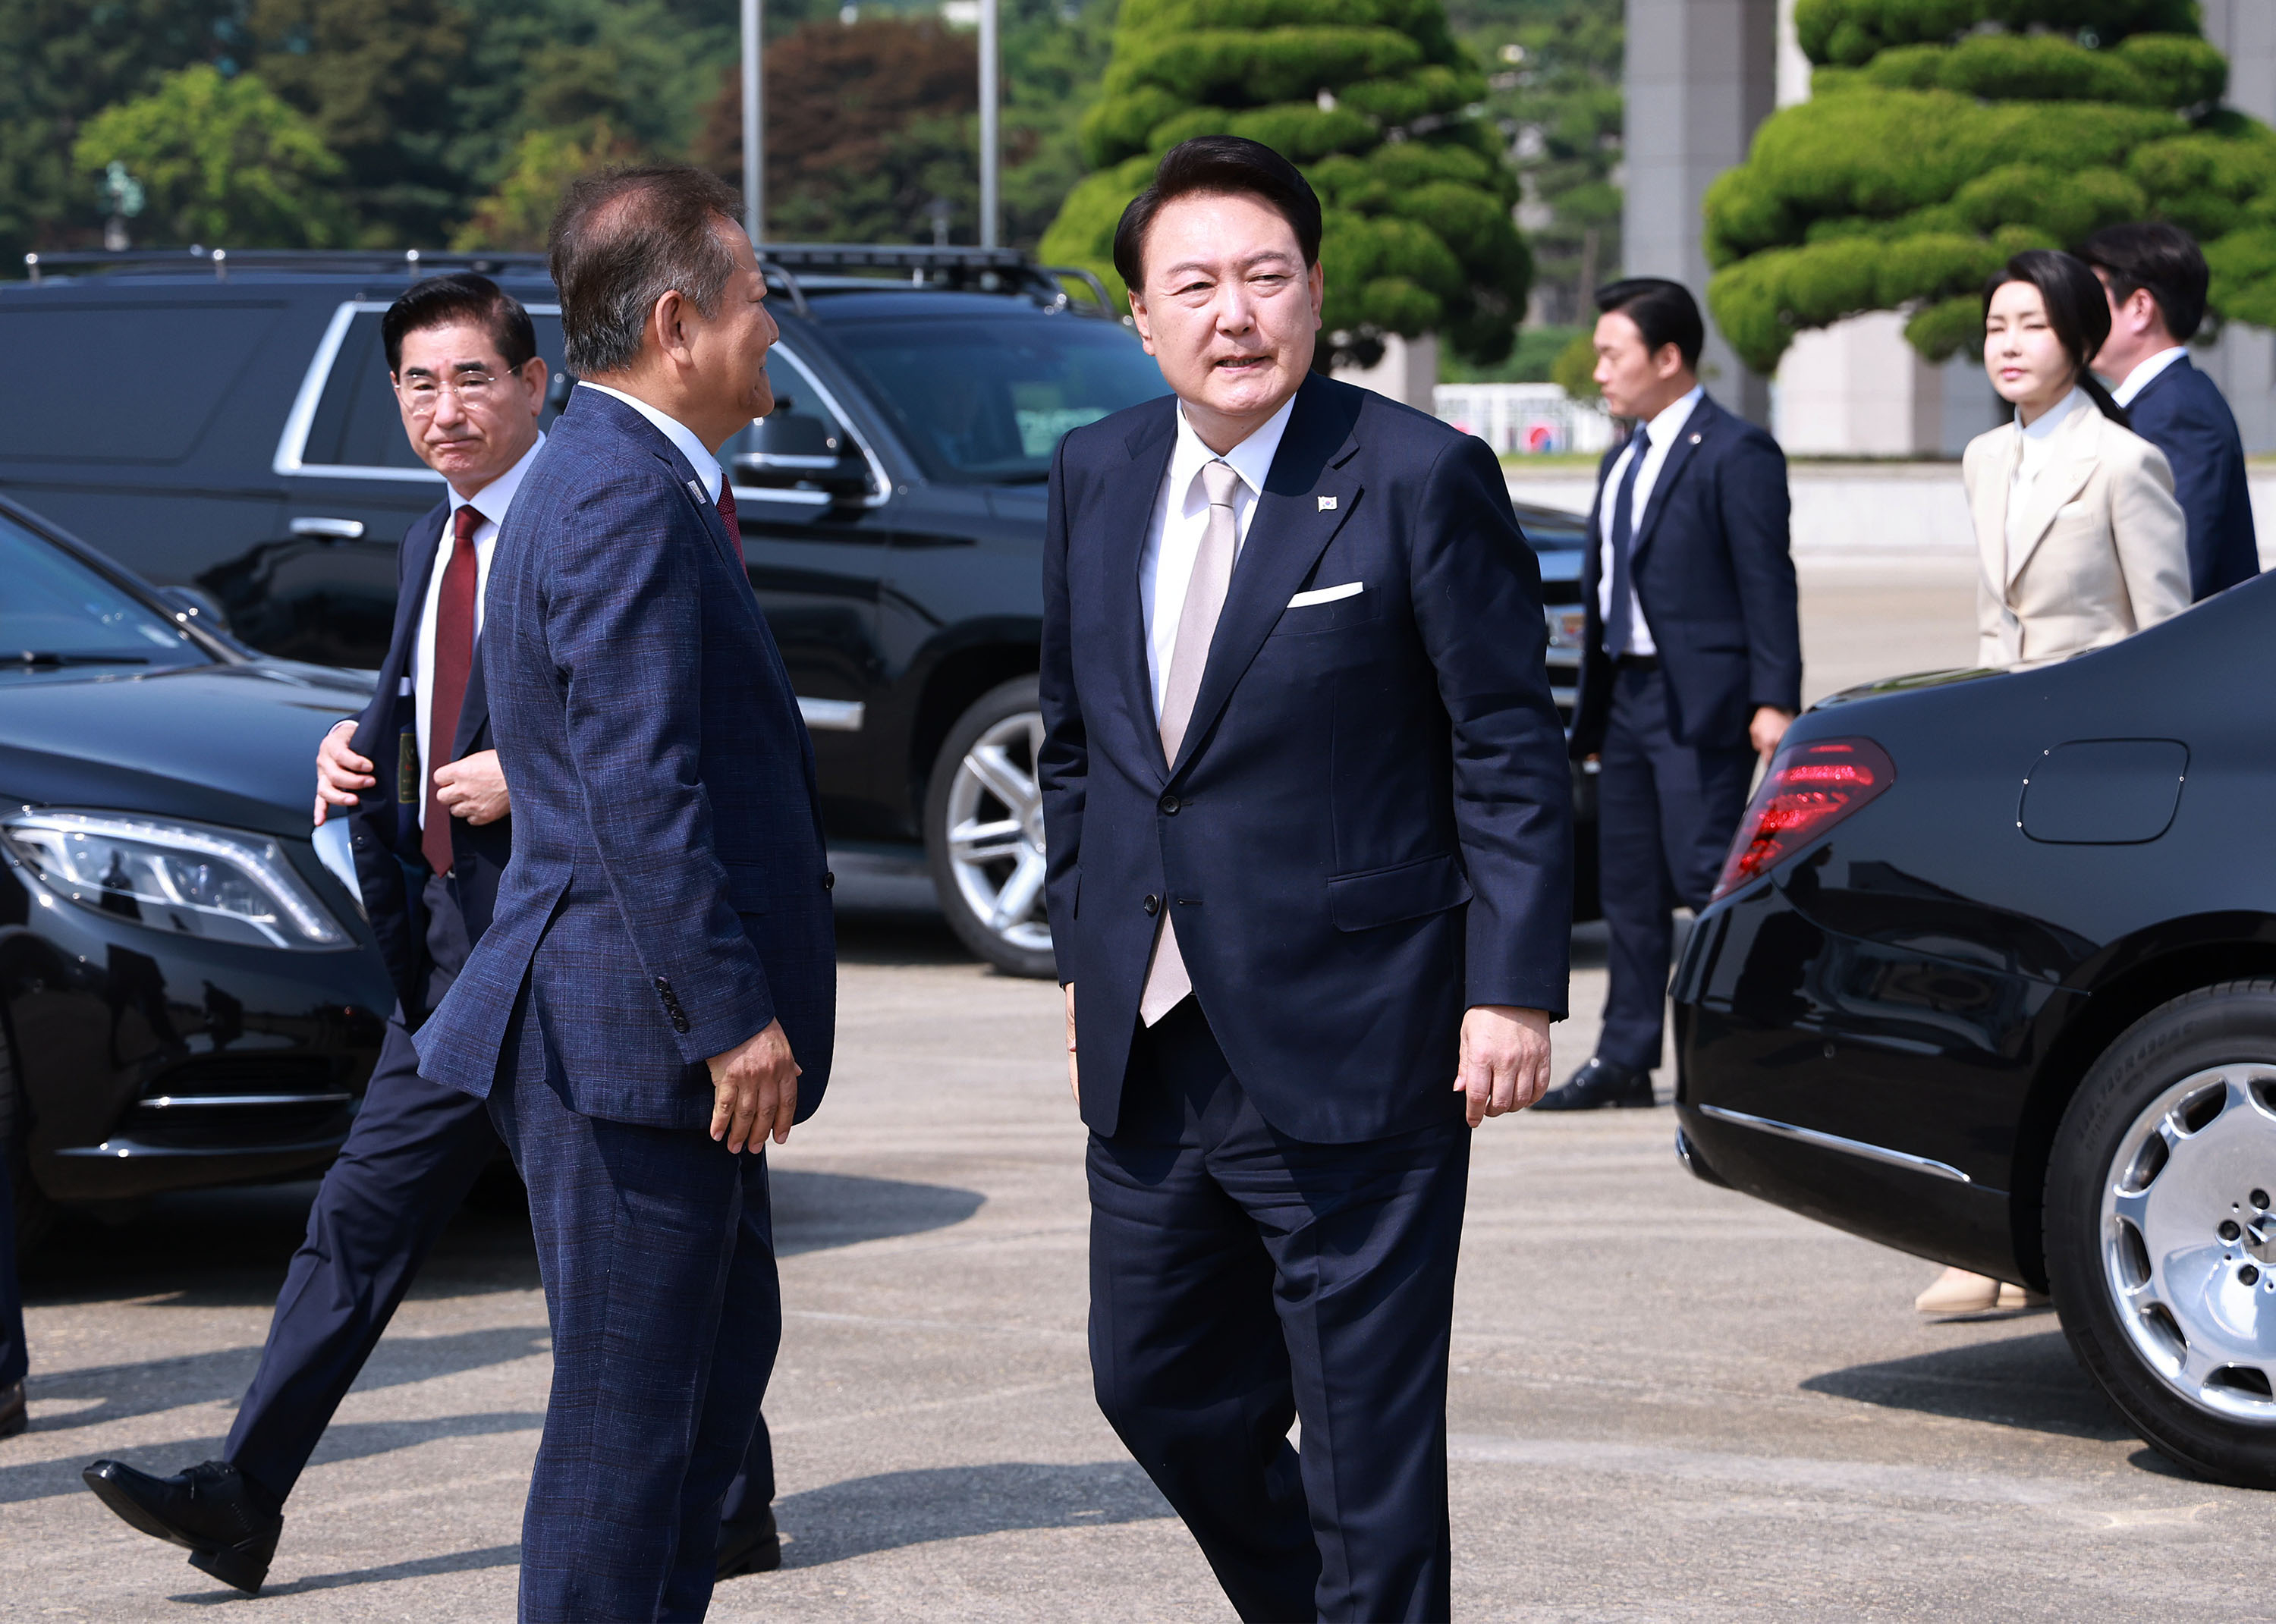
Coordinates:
334 529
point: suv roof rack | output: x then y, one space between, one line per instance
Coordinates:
927 265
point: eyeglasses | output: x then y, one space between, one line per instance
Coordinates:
422 396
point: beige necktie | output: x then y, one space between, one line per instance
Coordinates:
1167 982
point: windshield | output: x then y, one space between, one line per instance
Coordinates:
985 402
58 615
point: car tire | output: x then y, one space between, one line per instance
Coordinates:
2161 1245
984 830
35 1213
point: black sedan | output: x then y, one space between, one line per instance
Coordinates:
1990 977
188 995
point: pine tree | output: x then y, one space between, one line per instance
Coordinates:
1943 136
1373 100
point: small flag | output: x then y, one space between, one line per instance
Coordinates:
1327 505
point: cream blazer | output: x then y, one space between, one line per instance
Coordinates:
2103 552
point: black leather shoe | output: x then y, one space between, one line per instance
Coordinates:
1597 1085
226 1522
749 1547
13 1416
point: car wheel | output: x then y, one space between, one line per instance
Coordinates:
2161 1245
34 1214
984 830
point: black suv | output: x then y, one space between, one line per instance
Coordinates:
222 423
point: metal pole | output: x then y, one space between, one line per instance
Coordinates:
991 207
754 123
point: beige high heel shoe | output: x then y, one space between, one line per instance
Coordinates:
1956 1291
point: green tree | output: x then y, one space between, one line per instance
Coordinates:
220 161
1942 136
519 211
1371 98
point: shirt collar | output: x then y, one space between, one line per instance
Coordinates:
1251 458
682 437
1663 428
2146 373
492 500
2055 417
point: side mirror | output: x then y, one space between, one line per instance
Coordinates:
793 452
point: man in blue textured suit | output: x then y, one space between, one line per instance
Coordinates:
1309 838
428 849
654 995
1692 663
2156 281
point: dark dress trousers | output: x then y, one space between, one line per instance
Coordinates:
1715 579
15 1361
2181 412
415 1147
667 899
1367 832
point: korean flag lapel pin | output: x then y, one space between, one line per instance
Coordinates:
1327 505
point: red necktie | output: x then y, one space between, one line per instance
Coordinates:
727 513
454 661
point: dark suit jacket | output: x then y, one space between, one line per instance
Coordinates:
1369 827
1712 571
668 896
2181 412
385 835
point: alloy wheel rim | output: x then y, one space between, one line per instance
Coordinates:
995 833
2188 1242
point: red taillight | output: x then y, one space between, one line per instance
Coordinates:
1809 788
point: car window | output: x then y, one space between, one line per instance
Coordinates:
58 615
800 425
120 383
356 423
988 401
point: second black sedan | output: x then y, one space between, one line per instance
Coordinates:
188 995
1990 977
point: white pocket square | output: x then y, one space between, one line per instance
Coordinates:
1327 595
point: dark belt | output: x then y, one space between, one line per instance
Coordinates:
1637 662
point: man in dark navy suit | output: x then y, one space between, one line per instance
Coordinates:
1692 662
654 995
2156 281
429 848
1310 839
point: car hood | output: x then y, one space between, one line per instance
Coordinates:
221 744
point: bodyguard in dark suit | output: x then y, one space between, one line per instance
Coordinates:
2156 281
1309 846
660 964
1693 656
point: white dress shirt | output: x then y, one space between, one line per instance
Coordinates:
1662 430
699 455
2037 451
1174 540
492 502
2146 373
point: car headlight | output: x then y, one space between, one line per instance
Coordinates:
225 885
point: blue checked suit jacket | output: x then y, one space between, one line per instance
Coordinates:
668 895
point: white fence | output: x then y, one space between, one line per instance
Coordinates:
1524 417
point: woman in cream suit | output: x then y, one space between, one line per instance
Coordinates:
2077 528
2080 538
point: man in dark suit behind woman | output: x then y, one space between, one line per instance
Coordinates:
2156 280
1310 886
655 993
1692 666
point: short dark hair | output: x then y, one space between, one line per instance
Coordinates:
1663 311
2166 260
2077 314
625 238
1218 165
462 296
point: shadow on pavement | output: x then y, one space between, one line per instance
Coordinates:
892 1510
2025 1381
457 1562
815 1211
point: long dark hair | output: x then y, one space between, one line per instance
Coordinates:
2076 310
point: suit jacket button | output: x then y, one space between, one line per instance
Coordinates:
829 880
1170 804
1152 904
680 1023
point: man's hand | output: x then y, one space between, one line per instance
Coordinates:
340 771
1505 1059
1768 727
1075 1076
754 1090
473 788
